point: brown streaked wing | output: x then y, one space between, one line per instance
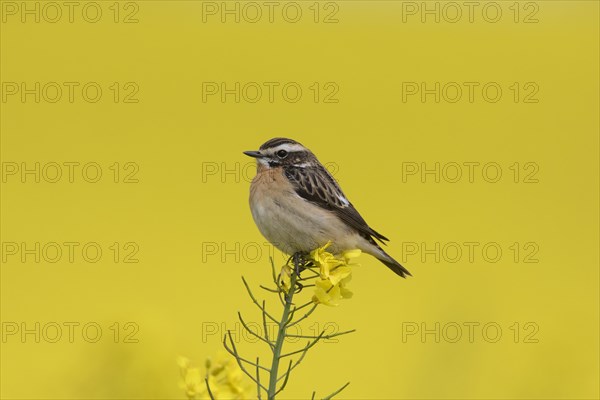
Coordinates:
316 185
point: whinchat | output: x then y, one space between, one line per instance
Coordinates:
298 205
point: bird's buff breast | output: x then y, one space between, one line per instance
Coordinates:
285 219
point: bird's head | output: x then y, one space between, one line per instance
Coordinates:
279 152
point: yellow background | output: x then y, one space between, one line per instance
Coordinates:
177 291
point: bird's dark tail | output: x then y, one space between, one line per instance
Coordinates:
381 255
394 265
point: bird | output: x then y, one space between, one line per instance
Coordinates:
298 205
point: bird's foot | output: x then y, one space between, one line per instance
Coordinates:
301 262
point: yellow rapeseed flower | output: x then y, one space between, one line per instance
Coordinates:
334 275
192 380
285 278
225 378
348 255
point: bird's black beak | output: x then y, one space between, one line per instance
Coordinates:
255 154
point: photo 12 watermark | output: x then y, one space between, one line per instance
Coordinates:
471 12
69 92
58 172
469 92
69 12
290 92
470 172
52 252
69 332
469 332
236 172
470 252
270 12
214 331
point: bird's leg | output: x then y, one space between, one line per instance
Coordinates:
300 263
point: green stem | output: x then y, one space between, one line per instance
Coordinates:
282 326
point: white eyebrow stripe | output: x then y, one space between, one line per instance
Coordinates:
289 147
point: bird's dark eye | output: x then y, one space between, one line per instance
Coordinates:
282 154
